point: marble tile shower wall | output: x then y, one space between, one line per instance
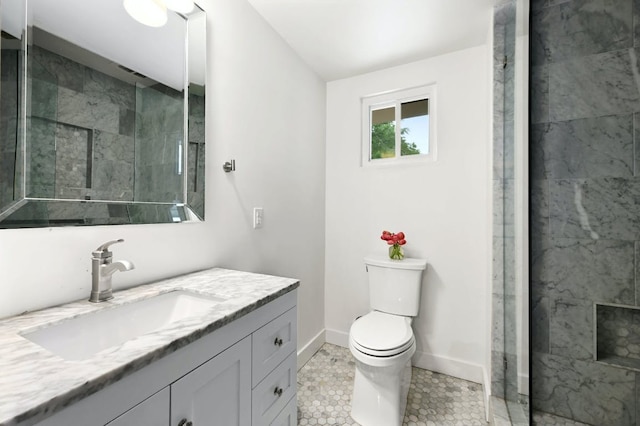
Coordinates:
8 124
159 130
196 148
503 375
81 131
585 201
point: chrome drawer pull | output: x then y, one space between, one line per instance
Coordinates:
278 342
277 391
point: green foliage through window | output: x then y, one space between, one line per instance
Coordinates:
383 141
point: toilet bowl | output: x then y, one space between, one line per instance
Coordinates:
382 345
382 341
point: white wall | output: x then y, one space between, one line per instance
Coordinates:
442 207
265 109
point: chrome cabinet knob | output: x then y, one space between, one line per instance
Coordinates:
278 342
185 422
277 391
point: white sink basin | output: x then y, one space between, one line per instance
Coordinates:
82 337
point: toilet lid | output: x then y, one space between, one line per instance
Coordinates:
381 333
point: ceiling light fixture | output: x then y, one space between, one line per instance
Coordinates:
148 12
180 6
154 12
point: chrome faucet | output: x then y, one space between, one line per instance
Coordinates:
102 267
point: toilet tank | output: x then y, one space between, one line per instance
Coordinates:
394 285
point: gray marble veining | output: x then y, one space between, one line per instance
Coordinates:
44 99
110 89
503 208
41 172
497 374
590 147
609 78
579 28
539 202
539 320
539 89
571 328
497 323
598 208
587 270
585 391
86 111
510 326
113 166
35 382
56 69
72 144
585 231
196 118
636 135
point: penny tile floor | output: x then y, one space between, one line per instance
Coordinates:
325 385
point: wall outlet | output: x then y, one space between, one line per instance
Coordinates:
258 217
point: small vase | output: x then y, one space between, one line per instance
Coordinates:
396 252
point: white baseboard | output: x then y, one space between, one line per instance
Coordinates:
308 350
336 337
449 366
440 364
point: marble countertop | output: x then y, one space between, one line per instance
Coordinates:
34 381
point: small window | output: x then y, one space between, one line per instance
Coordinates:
384 142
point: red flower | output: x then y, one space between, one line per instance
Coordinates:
393 239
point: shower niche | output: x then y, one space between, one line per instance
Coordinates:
617 335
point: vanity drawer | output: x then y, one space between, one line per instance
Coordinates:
288 416
273 343
274 392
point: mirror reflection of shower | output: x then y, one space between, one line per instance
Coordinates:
87 122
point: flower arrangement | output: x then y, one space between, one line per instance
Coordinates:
395 241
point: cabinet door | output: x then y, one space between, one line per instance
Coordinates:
288 416
218 393
153 411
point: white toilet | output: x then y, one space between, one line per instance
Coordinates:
382 341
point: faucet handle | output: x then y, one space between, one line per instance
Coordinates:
103 250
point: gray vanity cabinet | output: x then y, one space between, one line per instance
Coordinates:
152 411
243 374
218 392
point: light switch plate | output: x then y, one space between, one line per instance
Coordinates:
258 217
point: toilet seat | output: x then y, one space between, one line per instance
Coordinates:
379 334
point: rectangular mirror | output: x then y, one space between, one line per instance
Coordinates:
101 117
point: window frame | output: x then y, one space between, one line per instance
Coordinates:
395 99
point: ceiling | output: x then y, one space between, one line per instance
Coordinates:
343 38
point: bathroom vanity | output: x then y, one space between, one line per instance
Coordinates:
231 364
